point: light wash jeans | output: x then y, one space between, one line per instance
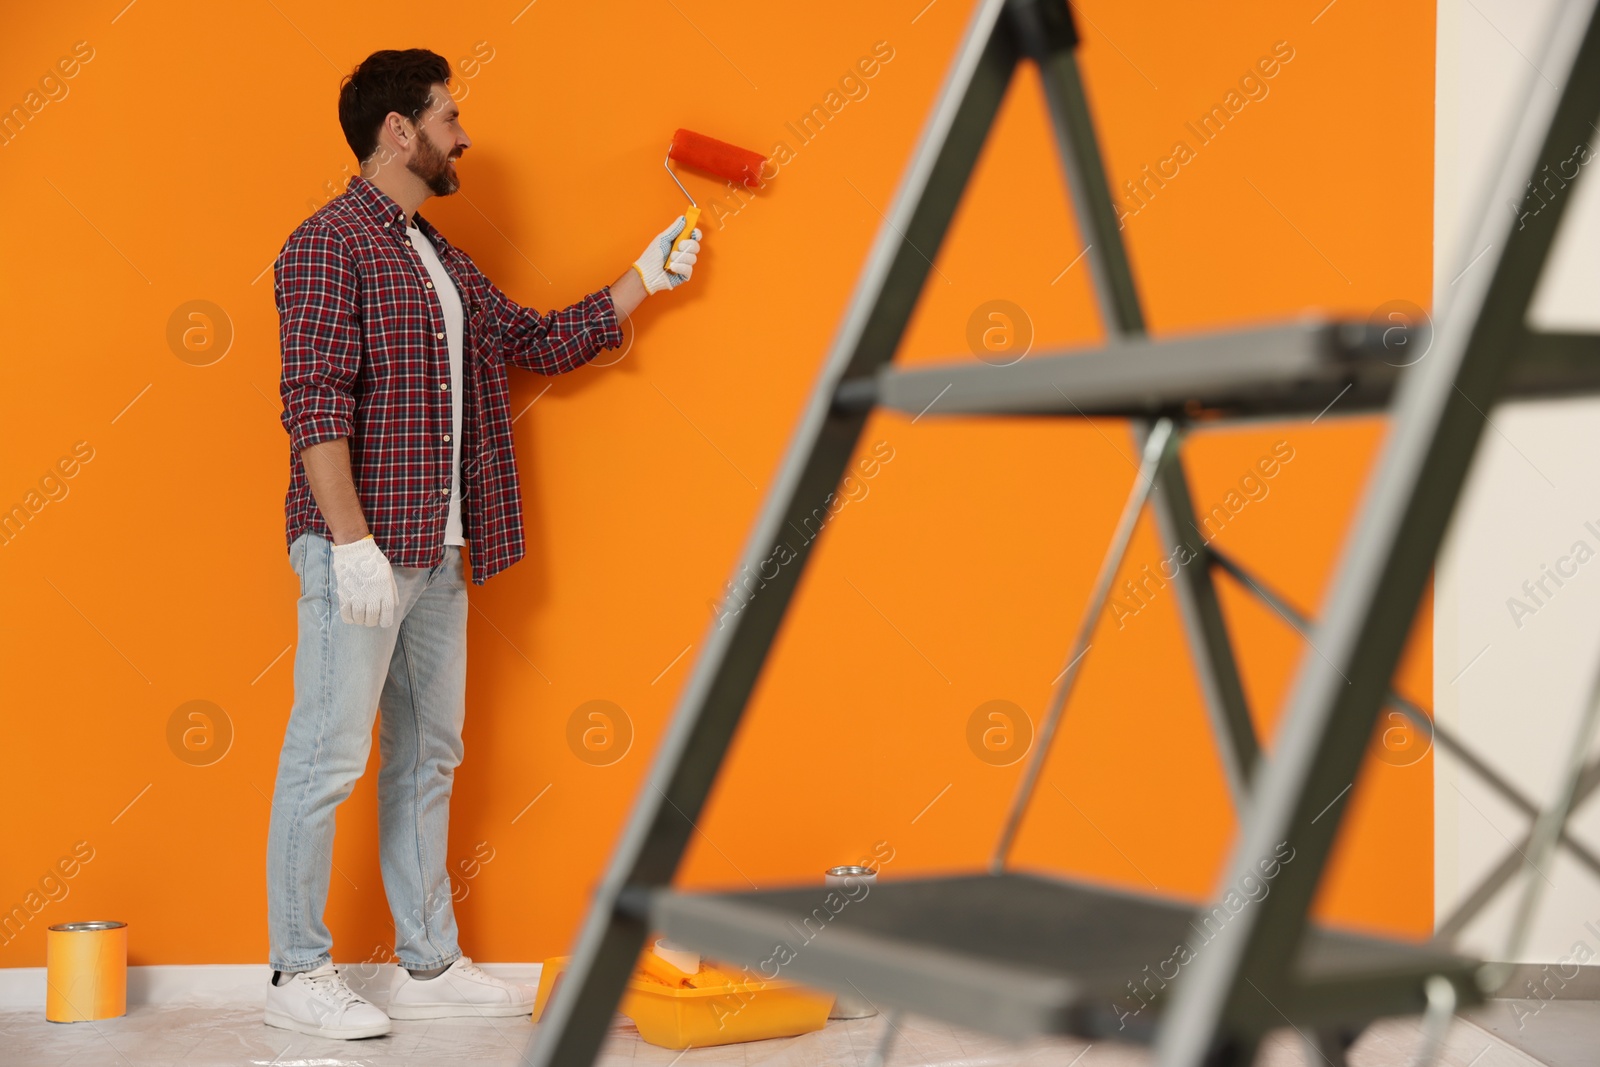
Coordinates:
416 670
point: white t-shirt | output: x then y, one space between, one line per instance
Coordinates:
450 304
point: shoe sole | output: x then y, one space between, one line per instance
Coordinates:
457 1011
287 1022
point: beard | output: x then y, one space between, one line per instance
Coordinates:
433 167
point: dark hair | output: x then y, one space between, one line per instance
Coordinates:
389 80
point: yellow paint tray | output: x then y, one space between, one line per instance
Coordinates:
716 1015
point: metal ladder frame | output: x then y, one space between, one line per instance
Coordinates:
1337 696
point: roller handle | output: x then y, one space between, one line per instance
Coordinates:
691 216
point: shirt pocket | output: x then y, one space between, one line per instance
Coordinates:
483 328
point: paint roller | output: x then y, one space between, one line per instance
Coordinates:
707 154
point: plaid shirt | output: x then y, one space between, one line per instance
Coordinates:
365 357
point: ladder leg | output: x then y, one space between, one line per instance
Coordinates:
1546 832
1436 1021
891 1029
1436 421
1207 631
736 646
1048 36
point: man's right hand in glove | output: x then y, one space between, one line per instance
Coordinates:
367 592
657 268
660 267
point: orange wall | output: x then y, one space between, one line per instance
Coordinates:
197 136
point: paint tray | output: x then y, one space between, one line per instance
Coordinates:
717 1015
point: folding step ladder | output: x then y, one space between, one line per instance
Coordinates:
1023 955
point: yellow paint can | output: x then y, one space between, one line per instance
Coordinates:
86 967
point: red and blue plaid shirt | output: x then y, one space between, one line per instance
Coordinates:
365 357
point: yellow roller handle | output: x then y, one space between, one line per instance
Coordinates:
691 216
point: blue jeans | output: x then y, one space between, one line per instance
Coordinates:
416 670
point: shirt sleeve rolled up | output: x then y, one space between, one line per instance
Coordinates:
319 316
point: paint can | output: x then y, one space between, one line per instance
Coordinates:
86 969
850 1006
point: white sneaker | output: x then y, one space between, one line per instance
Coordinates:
320 1004
462 990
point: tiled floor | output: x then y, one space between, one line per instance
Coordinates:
1560 1033
203 1036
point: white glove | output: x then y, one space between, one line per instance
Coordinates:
654 270
367 593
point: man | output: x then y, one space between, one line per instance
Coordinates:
395 399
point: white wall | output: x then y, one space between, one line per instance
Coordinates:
1514 692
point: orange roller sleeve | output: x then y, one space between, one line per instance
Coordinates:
708 154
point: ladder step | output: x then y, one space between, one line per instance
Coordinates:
1296 368
1022 955
1292 369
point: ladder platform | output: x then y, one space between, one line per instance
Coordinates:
1286 370
1289 369
1024 955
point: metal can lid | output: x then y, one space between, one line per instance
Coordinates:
850 871
79 928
